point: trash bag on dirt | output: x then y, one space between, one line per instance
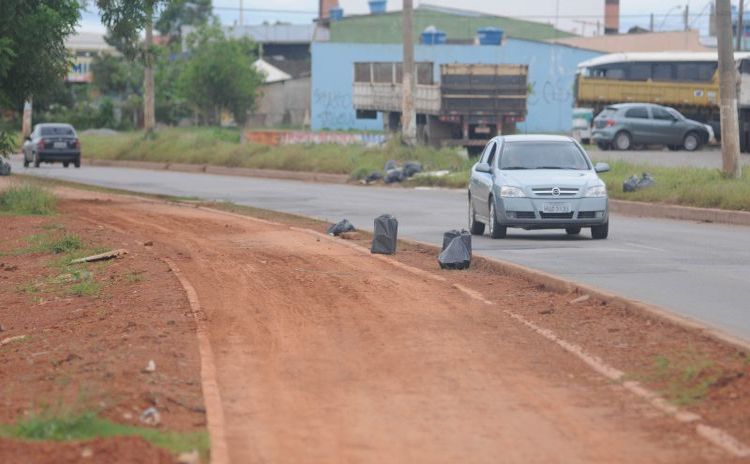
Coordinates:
389 165
394 175
385 236
451 234
4 167
456 255
411 168
373 176
340 227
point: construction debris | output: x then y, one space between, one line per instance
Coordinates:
17 338
101 257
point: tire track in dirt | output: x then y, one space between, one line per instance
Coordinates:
325 354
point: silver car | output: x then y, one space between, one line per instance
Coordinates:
537 182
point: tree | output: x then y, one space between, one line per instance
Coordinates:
219 75
33 57
178 13
125 19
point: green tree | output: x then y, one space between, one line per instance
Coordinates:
219 75
178 13
125 19
33 57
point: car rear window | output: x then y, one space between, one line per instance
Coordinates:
607 112
57 130
542 155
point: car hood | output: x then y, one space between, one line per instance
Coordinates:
551 177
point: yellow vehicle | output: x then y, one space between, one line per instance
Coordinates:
686 81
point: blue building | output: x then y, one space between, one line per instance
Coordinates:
552 71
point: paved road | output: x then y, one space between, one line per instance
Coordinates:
697 270
708 158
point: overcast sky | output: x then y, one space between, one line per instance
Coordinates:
632 12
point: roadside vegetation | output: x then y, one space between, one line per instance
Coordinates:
87 425
27 199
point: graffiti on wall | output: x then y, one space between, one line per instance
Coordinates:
336 109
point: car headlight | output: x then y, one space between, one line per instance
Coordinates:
596 191
506 191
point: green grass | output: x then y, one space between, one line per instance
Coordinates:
698 187
27 199
217 147
46 243
683 379
85 426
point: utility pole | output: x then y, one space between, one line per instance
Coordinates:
242 14
730 137
686 17
740 25
26 121
651 23
408 115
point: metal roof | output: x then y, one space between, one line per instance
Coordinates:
655 57
281 33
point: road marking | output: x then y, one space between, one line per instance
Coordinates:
211 394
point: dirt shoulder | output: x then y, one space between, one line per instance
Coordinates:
324 353
76 341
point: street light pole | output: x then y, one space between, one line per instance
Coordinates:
408 114
730 137
740 25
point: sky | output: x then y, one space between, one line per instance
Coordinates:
667 13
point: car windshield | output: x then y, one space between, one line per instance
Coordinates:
543 155
57 130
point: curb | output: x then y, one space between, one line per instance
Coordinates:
682 213
224 171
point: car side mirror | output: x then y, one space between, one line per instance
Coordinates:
601 167
483 167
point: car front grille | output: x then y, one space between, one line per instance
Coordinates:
547 192
525 215
586 214
556 215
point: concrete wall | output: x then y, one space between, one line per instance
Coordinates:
283 103
552 71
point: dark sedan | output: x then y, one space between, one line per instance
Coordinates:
52 143
627 125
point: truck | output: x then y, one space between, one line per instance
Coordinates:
470 103
686 81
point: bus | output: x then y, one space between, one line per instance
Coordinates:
686 81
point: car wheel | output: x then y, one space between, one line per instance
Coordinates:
77 163
475 227
65 164
691 142
600 232
572 230
496 230
603 146
37 161
25 161
623 141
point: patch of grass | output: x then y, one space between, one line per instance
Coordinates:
27 199
685 379
198 145
86 287
699 187
46 243
86 426
135 276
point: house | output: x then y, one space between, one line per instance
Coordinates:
285 95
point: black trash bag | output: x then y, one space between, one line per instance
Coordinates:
631 184
385 236
394 175
456 255
340 227
373 176
451 234
4 167
647 180
411 168
389 165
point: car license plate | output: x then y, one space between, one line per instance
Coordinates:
60 145
556 207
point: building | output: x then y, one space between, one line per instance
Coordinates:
685 41
83 46
376 37
285 95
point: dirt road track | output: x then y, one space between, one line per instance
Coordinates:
324 354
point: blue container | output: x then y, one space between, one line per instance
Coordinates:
490 36
377 6
335 14
433 37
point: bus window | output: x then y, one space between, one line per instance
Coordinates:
686 72
706 71
640 72
662 72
